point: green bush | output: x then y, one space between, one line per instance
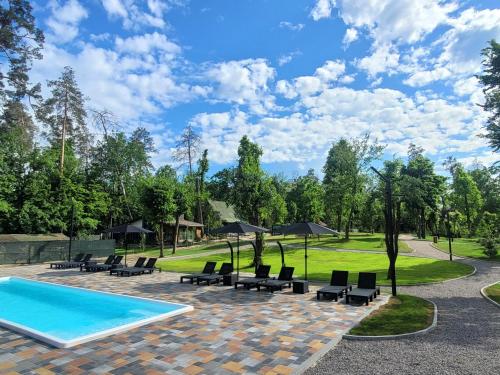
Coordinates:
490 247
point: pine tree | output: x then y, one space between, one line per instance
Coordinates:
64 115
186 149
20 43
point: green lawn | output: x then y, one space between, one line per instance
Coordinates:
494 292
410 270
402 314
357 241
167 252
468 247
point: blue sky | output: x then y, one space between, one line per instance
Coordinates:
292 75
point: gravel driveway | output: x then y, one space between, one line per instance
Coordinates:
465 341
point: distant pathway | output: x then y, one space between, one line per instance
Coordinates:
465 341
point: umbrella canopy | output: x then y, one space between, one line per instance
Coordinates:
238 228
307 228
127 228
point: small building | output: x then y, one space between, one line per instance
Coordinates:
189 231
224 212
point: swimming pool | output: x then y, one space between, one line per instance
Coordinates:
66 316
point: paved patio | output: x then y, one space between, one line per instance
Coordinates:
228 332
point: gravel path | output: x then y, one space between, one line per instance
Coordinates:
465 341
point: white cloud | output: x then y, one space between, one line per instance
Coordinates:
291 26
285 59
463 43
322 9
65 19
394 118
424 77
136 14
405 21
330 72
244 82
115 8
457 50
351 34
130 84
146 43
384 59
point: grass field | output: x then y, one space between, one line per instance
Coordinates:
494 292
468 247
357 241
410 270
197 249
402 314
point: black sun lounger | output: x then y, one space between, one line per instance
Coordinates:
149 268
209 269
225 269
115 264
138 263
285 278
92 266
78 258
262 274
338 286
367 288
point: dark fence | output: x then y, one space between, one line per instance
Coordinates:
26 252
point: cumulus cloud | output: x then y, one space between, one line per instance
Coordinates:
350 36
322 9
384 59
134 14
391 116
331 71
65 19
243 82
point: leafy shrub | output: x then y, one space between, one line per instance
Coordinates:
490 247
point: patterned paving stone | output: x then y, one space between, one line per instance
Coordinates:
229 332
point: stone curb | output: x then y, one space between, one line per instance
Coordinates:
483 293
401 336
312 360
444 281
461 256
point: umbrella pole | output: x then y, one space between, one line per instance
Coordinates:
238 258
305 257
126 248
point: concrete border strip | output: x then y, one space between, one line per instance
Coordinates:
401 336
483 293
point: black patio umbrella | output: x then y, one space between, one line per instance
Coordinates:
127 228
305 229
239 228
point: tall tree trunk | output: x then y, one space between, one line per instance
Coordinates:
467 214
259 243
162 245
63 134
422 221
176 233
339 220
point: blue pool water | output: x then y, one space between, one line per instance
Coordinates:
67 314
